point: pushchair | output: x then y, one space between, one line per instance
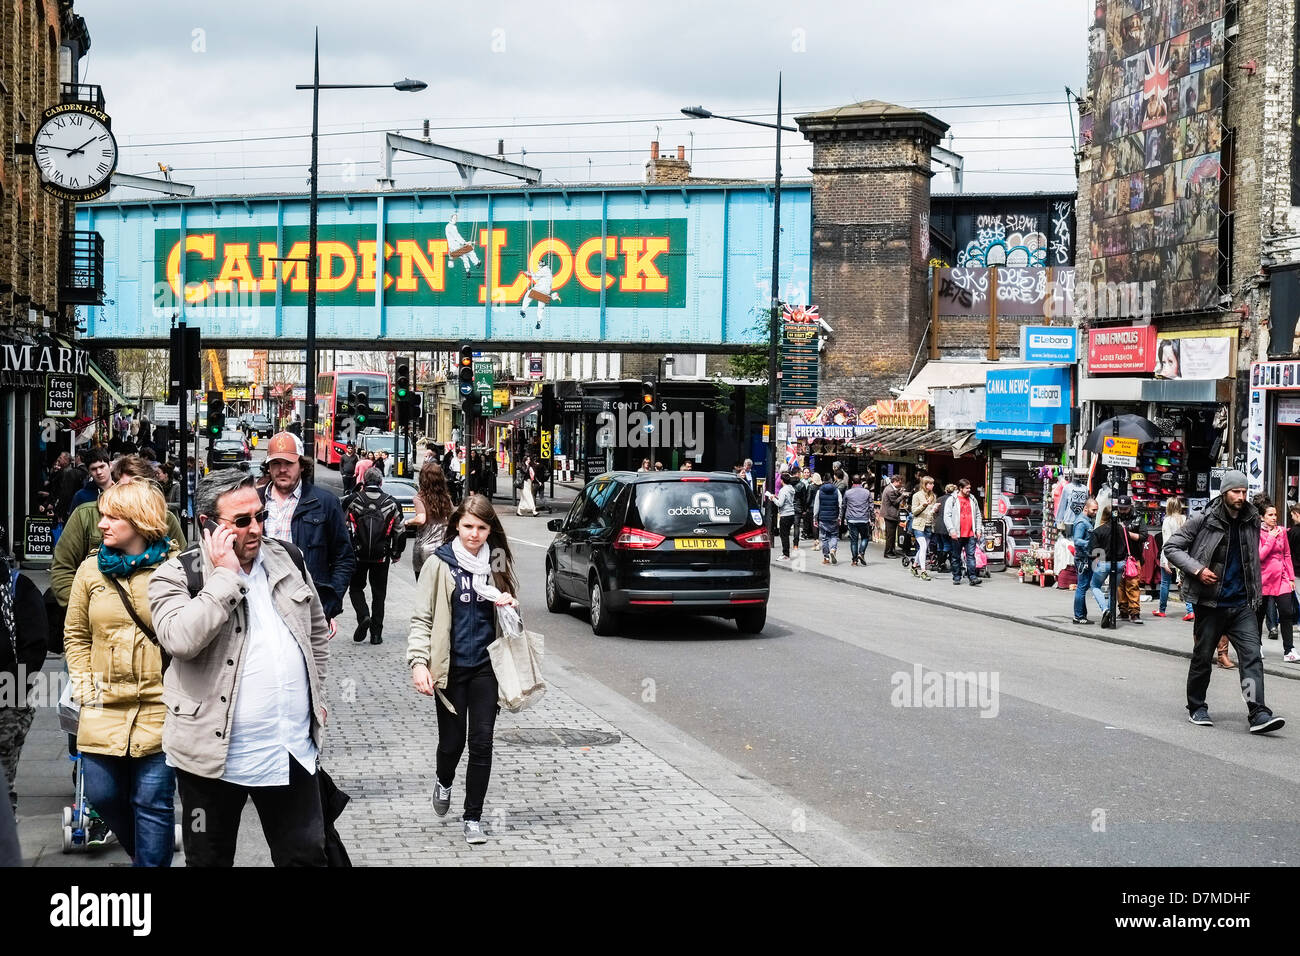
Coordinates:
905 544
936 555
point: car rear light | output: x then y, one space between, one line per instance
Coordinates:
697 479
758 538
746 600
637 539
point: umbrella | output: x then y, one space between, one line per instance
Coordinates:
1122 426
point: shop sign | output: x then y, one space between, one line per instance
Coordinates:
903 413
1269 375
61 396
1119 451
1201 355
1130 348
38 538
1034 395
1257 432
534 366
1006 431
501 398
958 407
483 377
1053 344
570 406
23 357
832 431
1288 410
544 443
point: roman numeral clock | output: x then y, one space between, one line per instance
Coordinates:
75 151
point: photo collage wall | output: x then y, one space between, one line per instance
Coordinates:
1156 76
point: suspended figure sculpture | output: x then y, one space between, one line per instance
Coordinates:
539 292
458 248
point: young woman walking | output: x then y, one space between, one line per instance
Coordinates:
433 509
924 506
454 621
1278 577
1174 520
116 669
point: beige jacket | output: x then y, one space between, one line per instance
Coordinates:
206 637
429 641
116 670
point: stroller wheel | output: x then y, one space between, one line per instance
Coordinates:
906 561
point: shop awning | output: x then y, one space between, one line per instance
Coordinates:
518 413
1174 391
106 384
893 441
940 374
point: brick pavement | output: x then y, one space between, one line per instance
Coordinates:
613 803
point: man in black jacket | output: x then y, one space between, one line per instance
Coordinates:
1218 553
22 654
311 518
378 537
348 467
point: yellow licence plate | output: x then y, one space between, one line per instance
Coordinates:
700 544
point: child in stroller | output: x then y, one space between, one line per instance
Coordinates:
936 556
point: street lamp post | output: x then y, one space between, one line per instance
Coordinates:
405 86
774 329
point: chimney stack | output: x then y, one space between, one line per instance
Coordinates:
664 169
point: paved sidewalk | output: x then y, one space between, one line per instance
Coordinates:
1003 595
568 786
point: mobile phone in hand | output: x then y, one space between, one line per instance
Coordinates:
210 526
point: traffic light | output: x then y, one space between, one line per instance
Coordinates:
466 373
403 389
649 392
361 411
216 414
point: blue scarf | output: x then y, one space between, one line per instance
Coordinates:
119 564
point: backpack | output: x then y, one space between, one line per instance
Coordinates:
371 526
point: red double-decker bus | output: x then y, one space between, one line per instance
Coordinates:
335 426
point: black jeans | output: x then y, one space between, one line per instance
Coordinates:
473 692
1279 608
1242 628
786 523
292 819
891 536
378 575
797 528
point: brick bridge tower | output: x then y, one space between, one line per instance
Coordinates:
870 241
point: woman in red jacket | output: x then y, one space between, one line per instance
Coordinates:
1278 577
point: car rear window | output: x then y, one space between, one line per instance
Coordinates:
674 508
221 445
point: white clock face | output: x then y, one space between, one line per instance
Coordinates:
75 151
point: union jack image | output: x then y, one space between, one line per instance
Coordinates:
800 313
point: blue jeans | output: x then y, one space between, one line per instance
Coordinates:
830 540
963 546
859 535
1100 571
1084 572
1166 579
134 796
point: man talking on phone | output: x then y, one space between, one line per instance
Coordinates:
1218 553
245 689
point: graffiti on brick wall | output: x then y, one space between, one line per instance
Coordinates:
964 290
1061 246
1005 239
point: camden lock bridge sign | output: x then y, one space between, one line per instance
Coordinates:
632 266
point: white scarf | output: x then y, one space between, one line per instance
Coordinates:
479 565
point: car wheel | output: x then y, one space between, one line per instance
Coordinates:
556 603
751 622
603 621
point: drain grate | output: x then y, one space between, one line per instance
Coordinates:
557 737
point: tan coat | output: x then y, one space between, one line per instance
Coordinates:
116 669
206 636
429 641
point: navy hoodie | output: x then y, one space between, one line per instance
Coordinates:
473 617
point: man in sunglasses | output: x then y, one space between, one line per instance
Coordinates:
312 518
245 691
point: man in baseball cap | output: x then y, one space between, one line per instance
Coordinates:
1218 553
311 518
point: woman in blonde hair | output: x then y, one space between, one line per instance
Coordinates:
116 669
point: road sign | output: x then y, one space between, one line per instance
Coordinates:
61 396
1119 451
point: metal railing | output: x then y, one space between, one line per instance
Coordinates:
81 268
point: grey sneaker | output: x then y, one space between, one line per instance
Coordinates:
474 832
441 799
1265 723
1201 717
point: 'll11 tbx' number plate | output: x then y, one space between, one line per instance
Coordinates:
699 544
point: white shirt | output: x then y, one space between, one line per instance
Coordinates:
541 279
272 717
279 520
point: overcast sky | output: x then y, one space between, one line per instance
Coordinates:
596 81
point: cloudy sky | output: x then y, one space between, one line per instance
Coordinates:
578 88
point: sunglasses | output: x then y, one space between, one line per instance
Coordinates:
243 521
